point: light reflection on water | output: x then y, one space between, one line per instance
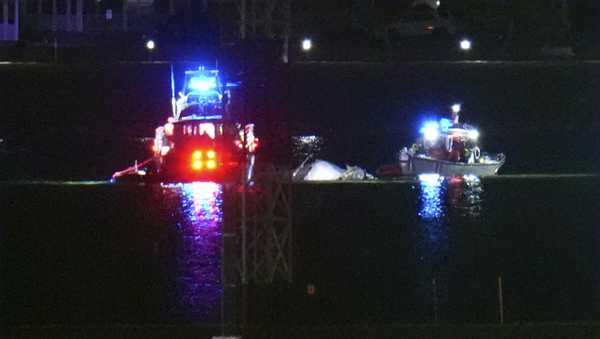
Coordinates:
433 229
431 206
439 197
199 218
445 203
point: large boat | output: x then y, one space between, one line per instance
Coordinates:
449 148
202 141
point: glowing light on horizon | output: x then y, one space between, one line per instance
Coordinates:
465 44
307 44
150 45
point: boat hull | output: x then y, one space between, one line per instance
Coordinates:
425 165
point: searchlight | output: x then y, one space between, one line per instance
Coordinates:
430 131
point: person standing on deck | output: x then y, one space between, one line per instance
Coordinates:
455 113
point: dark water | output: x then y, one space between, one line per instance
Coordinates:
79 254
98 253
377 254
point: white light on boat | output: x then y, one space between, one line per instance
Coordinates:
456 108
431 131
473 134
164 150
465 44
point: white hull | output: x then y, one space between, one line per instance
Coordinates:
425 165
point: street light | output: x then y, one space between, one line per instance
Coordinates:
306 44
150 45
465 44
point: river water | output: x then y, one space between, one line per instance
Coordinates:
93 252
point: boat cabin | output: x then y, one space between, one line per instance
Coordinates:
445 140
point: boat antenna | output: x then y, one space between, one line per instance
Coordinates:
173 100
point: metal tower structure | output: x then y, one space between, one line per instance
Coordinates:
259 230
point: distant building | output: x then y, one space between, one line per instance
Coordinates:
9 20
89 22
86 16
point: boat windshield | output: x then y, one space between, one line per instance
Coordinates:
202 87
202 95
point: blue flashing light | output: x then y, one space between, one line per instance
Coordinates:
445 124
203 83
430 130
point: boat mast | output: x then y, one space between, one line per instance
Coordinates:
173 100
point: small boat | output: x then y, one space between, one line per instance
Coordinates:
422 164
449 148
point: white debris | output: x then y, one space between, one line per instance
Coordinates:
321 170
